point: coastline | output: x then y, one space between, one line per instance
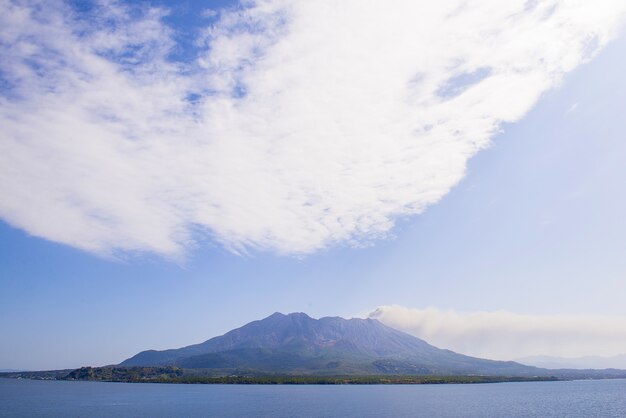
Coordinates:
289 379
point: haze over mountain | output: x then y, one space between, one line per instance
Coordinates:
299 344
586 362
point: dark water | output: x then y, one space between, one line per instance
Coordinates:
29 398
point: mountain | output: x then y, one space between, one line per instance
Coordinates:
299 344
587 362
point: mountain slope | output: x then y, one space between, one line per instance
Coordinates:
299 344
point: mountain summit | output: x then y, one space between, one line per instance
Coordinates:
299 344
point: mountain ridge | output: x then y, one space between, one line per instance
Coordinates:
298 344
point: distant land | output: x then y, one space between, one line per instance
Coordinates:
586 362
298 344
296 348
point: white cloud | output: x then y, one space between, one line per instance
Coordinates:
312 123
506 335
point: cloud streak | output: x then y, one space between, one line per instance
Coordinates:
300 125
506 335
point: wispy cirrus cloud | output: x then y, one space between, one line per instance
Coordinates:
300 125
508 335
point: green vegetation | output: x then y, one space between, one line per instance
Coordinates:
126 374
178 375
348 380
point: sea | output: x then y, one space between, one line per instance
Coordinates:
38 398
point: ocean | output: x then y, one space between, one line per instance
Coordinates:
36 398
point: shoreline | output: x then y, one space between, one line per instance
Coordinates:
294 379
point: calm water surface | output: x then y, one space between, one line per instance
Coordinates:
31 398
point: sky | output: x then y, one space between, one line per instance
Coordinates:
172 170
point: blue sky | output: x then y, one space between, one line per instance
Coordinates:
530 231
